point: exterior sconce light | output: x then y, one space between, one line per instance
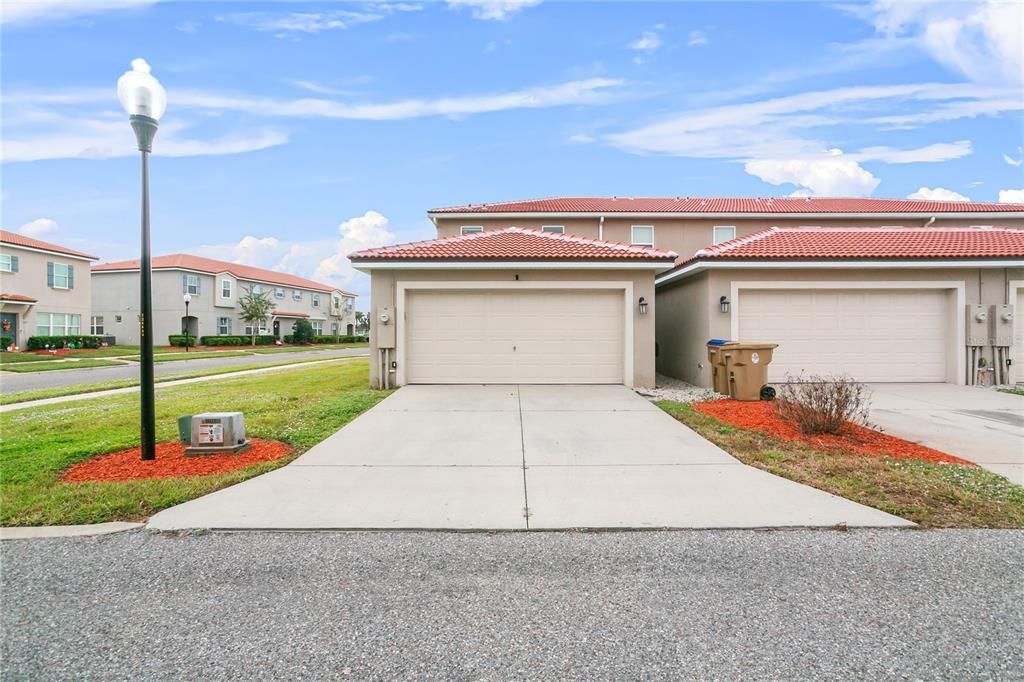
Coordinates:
723 304
643 305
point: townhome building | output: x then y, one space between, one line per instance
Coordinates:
213 288
618 289
46 289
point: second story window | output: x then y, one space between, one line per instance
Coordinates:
8 263
190 284
335 302
316 300
470 229
225 288
60 276
296 295
643 235
257 289
724 233
278 292
349 303
557 229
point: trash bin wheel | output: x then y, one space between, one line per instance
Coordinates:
767 393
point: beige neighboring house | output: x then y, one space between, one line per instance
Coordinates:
214 287
876 288
46 289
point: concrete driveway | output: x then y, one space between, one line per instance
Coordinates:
979 424
517 457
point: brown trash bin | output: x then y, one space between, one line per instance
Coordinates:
716 361
747 368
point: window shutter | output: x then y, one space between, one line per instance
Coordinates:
14 263
199 285
184 284
49 274
71 277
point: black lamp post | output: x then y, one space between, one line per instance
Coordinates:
188 299
144 99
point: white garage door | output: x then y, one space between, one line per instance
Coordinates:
871 335
1018 339
506 337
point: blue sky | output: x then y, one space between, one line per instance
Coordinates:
297 132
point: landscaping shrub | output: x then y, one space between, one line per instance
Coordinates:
302 332
223 340
823 404
265 340
179 340
41 342
6 341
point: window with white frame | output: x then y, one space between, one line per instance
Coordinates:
257 289
349 303
470 229
296 295
316 300
642 235
224 326
225 288
61 276
724 233
318 327
96 325
334 328
58 324
8 263
558 229
192 285
336 302
278 292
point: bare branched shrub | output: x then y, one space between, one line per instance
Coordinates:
822 404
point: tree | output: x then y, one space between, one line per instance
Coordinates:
255 307
362 323
302 332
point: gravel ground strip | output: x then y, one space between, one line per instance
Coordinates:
655 605
669 388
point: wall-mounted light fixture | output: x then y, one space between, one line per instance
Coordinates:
723 304
643 305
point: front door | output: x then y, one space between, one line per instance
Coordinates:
277 329
9 326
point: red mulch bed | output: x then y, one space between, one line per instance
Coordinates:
761 416
171 462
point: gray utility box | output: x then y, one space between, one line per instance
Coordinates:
977 324
1001 319
218 433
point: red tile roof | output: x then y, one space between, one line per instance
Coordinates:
283 313
871 243
15 239
17 297
514 244
726 205
182 261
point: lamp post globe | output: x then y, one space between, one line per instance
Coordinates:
188 299
145 101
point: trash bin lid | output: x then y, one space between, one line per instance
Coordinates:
719 342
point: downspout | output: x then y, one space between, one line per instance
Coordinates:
930 221
600 228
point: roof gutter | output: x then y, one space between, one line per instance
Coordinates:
708 214
367 266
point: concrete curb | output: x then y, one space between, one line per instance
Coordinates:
33 532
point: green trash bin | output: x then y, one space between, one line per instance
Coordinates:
185 429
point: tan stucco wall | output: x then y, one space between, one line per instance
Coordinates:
682 350
686 236
384 287
30 280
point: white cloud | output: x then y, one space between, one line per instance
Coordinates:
362 232
697 39
937 194
1015 161
33 11
833 175
649 41
286 24
40 227
581 138
188 27
493 10
255 251
979 39
933 153
1011 196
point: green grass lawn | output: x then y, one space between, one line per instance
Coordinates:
52 365
296 349
13 357
1016 390
929 494
121 351
77 389
301 407
198 355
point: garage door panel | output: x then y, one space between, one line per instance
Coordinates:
534 336
872 335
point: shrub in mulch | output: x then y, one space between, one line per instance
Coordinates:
762 416
171 462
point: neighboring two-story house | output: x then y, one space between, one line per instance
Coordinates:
213 288
46 289
613 289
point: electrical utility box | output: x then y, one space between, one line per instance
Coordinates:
1000 319
217 433
977 324
385 327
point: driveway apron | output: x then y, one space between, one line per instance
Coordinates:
516 458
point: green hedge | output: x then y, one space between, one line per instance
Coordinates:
179 340
330 339
41 342
6 341
264 340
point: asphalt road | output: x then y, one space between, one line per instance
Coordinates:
655 605
73 377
